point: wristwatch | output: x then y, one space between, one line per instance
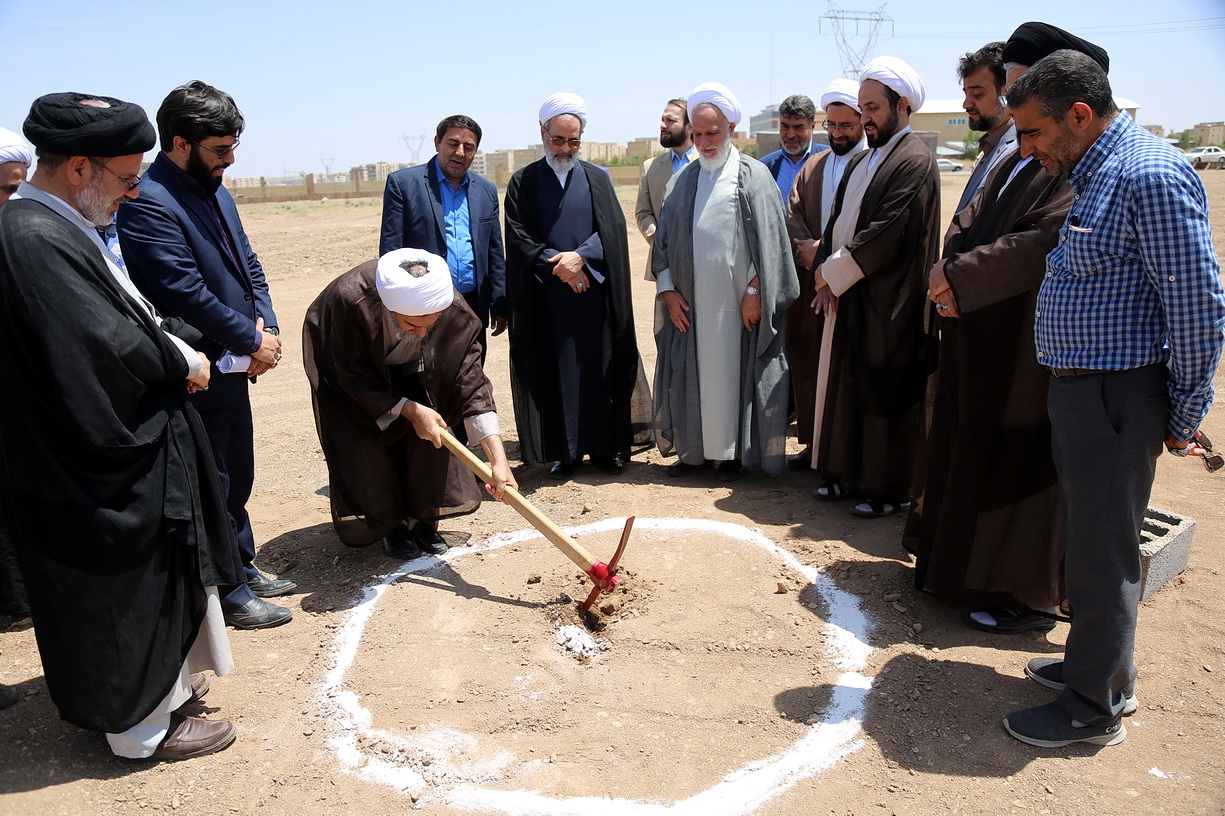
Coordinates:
752 290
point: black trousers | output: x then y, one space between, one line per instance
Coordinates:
1107 432
231 436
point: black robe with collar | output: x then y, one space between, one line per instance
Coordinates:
109 489
533 365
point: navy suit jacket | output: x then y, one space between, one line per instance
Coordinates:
413 217
176 257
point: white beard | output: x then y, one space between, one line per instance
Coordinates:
713 164
560 164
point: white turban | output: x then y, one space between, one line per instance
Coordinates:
560 103
718 95
841 90
895 74
13 148
404 293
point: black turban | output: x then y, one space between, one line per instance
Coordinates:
61 125
1033 41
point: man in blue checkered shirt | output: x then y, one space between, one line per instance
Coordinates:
1130 319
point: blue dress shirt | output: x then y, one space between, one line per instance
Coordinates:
680 162
459 232
1134 280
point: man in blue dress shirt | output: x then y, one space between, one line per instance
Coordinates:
1130 320
444 208
797 116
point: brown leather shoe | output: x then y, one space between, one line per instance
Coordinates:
191 737
199 687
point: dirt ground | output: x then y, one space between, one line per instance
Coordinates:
767 654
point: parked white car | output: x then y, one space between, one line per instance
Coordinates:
1207 156
949 164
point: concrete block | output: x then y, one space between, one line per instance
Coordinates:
1165 548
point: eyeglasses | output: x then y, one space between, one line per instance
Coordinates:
558 141
128 181
221 151
828 125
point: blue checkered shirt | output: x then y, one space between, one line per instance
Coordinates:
1134 280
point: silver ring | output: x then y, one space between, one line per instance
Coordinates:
1180 452
941 306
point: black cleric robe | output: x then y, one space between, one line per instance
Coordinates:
378 478
883 347
986 528
109 489
576 377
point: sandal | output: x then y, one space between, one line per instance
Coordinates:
875 508
1009 622
831 490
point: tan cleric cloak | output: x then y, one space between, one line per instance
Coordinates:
803 324
378 478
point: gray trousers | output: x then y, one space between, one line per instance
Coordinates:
1107 432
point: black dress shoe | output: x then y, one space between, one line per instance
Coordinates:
679 469
265 587
729 470
801 461
612 465
258 614
401 544
563 470
427 539
190 737
8 696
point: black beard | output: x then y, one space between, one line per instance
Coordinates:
200 172
985 123
884 134
671 139
842 150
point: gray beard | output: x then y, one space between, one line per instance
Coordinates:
560 165
94 203
720 158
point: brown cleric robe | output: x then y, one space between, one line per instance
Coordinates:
379 478
882 346
986 528
803 324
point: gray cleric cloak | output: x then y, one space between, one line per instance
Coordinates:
764 382
378 478
109 488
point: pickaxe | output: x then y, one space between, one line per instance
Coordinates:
604 576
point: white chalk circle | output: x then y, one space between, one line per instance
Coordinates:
741 791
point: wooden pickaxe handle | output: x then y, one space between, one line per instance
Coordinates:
515 499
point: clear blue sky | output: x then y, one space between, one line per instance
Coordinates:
345 80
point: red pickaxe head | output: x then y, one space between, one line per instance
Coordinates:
604 576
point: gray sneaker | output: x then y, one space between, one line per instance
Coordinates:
1048 671
1049 726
